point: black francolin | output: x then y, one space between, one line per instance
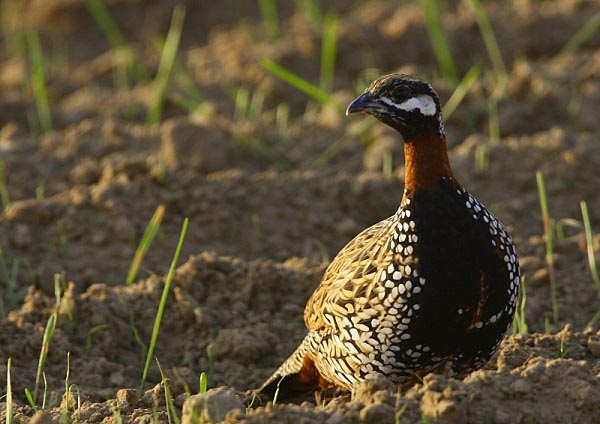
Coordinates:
430 289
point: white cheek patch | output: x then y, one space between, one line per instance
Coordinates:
424 104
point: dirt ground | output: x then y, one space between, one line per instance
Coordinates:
270 201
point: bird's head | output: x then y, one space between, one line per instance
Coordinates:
406 103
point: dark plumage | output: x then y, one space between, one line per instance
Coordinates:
430 289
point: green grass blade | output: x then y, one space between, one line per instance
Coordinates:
9 399
4 266
328 52
48 333
211 363
169 54
88 338
126 58
301 84
590 244
493 121
242 102
461 91
106 22
593 321
388 166
561 349
147 239
163 302
44 397
548 235
4 197
172 416
491 43
270 18
438 40
67 391
312 10
10 281
38 82
276 394
519 320
29 397
203 384
584 34
192 98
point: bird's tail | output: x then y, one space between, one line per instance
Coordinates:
296 376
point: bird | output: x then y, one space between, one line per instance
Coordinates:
432 288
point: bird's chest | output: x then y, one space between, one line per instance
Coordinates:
440 244
447 279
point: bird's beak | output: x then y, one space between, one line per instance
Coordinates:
361 104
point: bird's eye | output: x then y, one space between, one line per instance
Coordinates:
401 92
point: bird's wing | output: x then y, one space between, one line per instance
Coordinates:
345 288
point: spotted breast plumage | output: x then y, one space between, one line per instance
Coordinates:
430 289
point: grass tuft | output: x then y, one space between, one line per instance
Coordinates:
549 237
161 305
68 394
247 105
165 67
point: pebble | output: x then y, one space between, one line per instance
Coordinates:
520 387
211 406
377 413
541 276
22 237
594 347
